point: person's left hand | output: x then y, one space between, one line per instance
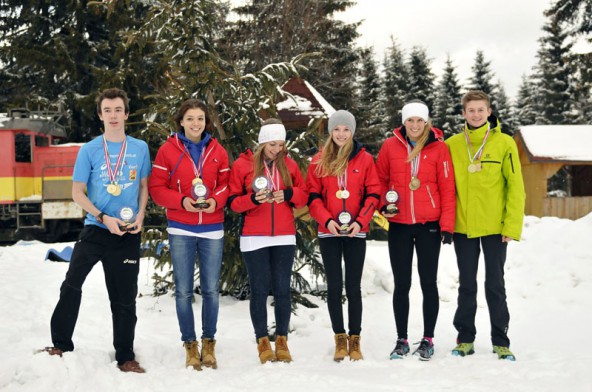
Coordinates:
355 229
278 196
211 206
137 225
446 237
506 239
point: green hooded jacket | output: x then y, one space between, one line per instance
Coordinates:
489 201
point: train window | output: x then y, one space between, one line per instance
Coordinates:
22 147
41 141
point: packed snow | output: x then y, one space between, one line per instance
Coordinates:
549 286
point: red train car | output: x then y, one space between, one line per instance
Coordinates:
36 178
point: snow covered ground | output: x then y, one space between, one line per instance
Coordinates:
549 285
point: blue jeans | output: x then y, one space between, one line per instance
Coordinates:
270 268
184 250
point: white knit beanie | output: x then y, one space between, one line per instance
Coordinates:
415 109
342 117
272 132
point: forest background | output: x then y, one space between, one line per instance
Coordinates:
163 52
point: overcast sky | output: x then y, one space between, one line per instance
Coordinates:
506 30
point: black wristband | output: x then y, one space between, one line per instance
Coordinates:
100 217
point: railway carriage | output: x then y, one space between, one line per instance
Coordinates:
36 178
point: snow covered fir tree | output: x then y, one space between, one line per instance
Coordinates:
162 52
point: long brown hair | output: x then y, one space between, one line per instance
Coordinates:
333 160
280 160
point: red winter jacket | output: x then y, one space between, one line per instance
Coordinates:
363 186
265 219
435 199
172 174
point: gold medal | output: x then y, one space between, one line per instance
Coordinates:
414 183
111 189
338 194
344 194
472 168
117 191
196 180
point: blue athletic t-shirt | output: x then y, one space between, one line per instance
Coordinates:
91 168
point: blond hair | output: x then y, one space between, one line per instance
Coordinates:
333 159
421 141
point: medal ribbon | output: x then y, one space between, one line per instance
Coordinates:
342 180
414 162
197 169
479 152
273 176
110 172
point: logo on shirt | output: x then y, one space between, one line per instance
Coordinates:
130 261
133 173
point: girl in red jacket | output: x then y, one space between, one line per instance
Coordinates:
344 193
190 179
265 186
415 171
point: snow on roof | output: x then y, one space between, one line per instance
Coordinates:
300 102
327 108
301 105
558 142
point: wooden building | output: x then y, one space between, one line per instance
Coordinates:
304 105
543 151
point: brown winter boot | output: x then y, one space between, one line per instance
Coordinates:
208 355
264 349
340 347
192 351
281 349
355 353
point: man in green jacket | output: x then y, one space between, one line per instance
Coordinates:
489 213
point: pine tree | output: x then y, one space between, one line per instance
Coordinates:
270 31
576 15
448 107
396 76
370 128
552 75
65 52
503 109
525 108
184 35
421 78
482 75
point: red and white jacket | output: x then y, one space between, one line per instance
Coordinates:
172 176
435 199
265 219
363 186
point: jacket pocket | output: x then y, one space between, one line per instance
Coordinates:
431 198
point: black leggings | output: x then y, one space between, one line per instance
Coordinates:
426 240
353 251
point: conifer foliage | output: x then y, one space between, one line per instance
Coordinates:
64 52
448 108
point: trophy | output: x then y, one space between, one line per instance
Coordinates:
200 192
261 183
391 198
126 214
344 220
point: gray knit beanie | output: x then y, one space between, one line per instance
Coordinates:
342 117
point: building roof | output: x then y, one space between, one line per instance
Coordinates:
569 144
306 103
